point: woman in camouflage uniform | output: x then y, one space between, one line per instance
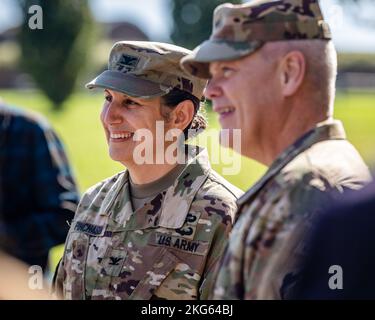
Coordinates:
156 230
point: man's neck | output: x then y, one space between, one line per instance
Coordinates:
289 133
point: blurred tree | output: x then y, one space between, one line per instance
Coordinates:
193 20
55 54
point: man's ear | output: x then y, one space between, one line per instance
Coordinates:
292 72
182 114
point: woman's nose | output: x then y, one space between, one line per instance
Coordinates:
112 114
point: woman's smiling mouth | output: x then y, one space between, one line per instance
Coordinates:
120 136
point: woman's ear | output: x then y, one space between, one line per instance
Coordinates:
292 72
182 115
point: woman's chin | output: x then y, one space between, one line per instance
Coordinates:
120 157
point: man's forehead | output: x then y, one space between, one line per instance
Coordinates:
216 65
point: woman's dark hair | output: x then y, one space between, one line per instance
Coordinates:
199 122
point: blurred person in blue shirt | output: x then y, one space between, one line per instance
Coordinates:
38 194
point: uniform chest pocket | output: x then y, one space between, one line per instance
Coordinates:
135 277
154 277
184 281
113 262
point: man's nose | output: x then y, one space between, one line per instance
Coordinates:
212 90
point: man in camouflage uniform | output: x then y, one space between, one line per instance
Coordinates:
272 69
167 247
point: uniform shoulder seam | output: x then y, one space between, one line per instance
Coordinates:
212 177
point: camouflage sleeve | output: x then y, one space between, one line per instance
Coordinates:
219 242
272 255
59 275
57 281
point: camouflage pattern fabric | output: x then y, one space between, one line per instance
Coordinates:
147 69
239 30
165 250
262 258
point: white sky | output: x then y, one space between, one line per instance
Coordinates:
153 16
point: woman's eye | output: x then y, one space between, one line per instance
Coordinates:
130 103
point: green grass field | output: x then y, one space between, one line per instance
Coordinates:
79 127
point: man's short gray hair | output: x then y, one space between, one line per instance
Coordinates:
321 73
321 66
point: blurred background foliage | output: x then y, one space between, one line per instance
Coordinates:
55 55
77 36
192 21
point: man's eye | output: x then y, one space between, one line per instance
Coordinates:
227 72
108 98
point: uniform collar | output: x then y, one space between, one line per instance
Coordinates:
327 130
179 197
167 209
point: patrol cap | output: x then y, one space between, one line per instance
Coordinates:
239 30
147 69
